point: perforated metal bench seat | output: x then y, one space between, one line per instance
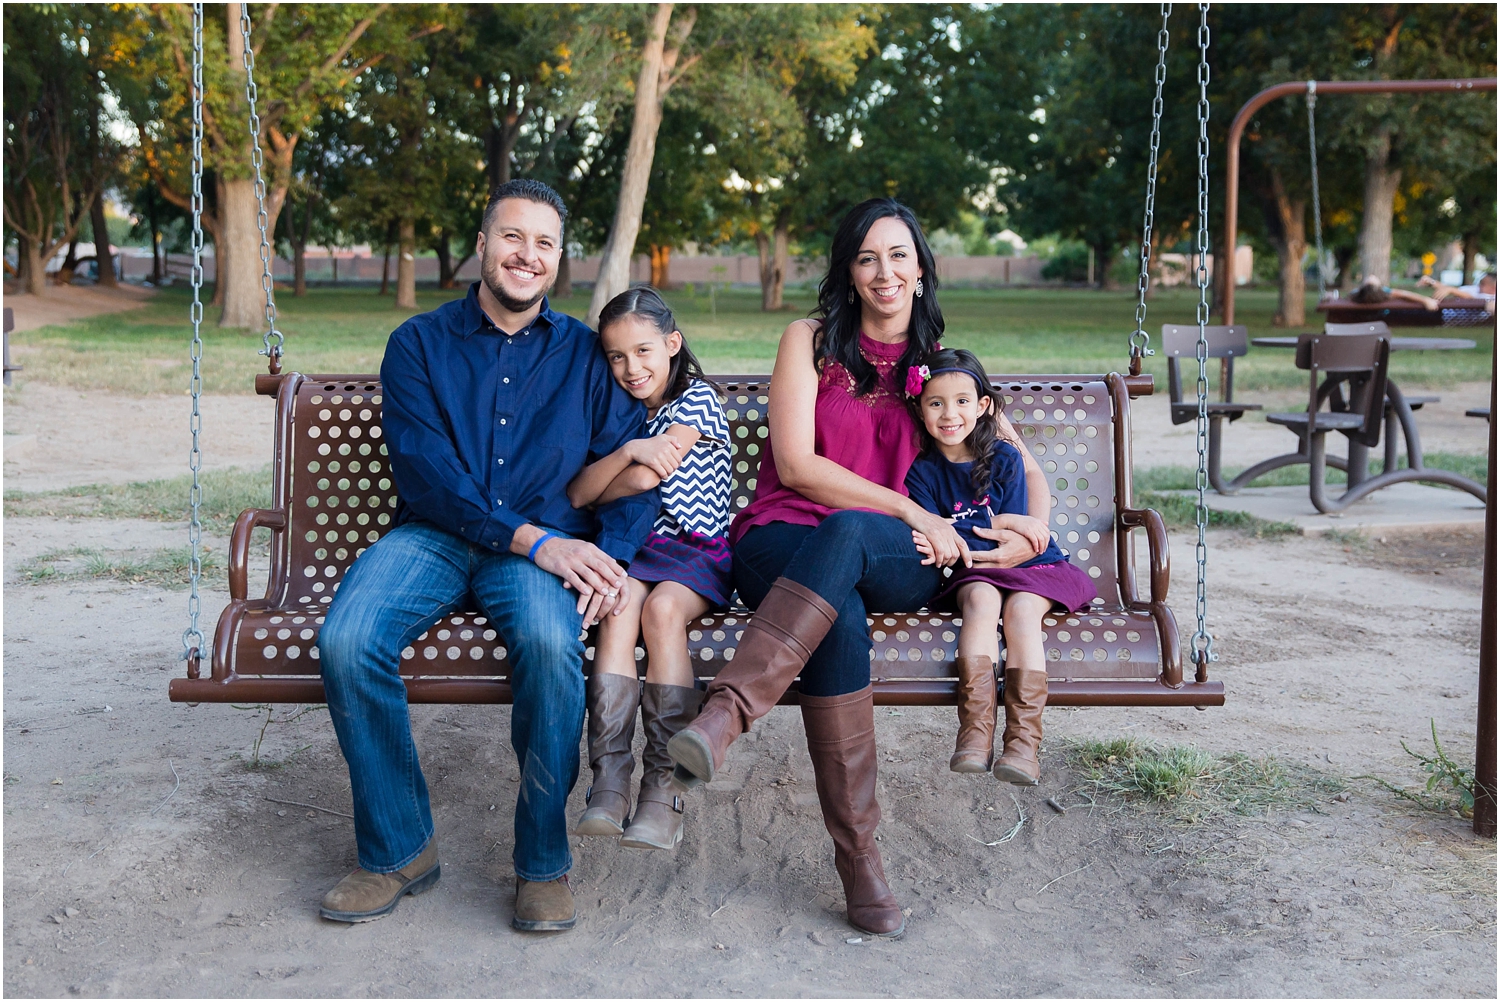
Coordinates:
333 496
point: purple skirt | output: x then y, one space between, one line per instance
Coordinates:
1063 582
691 560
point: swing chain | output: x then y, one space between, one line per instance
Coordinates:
1312 151
1140 341
192 637
1203 641
273 339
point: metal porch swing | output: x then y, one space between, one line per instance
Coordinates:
333 496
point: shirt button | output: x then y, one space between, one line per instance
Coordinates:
499 503
506 379
502 420
501 462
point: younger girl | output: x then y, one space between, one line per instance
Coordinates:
681 571
974 471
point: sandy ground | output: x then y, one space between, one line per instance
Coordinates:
73 302
119 880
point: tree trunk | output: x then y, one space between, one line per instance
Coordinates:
563 287
1286 219
651 87
661 266
237 257
444 249
299 247
406 267
104 258
156 275
781 255
1381 182
1471 248
237 247
385 272
35 267
767 269
1101 266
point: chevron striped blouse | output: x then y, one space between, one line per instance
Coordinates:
695 498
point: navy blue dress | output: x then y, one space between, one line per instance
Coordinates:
947 489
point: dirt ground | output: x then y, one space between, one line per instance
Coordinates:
73 302
143 855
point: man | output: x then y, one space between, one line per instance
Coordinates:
492 404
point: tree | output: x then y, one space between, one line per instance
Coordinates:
51 128
794 75
1085 175
306 58
1404 133
659 73
406 148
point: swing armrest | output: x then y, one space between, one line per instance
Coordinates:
239 545
1156 544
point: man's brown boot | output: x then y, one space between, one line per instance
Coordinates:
787 627
975 747
612 702
364 896
1025 698
841 741
544 905
665 710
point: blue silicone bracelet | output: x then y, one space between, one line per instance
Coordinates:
531 554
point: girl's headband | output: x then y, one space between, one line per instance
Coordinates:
918 375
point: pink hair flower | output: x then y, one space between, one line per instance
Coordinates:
916 376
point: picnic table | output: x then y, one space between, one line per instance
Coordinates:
1400 407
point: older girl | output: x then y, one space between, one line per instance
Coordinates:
681 572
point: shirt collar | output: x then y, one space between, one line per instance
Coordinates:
476 320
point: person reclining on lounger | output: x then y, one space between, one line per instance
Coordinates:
493 403
1482 288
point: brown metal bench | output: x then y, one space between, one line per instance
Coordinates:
333 496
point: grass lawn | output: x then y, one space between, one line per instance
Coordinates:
345 329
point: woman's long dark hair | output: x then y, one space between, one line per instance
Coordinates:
986 436
839 338
647 303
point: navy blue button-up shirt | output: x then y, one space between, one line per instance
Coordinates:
485 428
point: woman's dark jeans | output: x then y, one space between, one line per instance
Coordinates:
859 562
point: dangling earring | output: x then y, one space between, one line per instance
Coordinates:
851 297
919 288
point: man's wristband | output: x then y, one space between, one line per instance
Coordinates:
531 554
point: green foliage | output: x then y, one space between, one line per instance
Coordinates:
1192 785
1450 787
1069 264
1183 478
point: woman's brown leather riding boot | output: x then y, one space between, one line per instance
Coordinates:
975 748
665 710
841 741
789 625
612 702
1025 698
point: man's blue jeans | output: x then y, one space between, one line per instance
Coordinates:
399 587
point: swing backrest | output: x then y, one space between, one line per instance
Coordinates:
333 497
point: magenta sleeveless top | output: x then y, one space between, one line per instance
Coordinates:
873 436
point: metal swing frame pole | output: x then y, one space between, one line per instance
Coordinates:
1265 97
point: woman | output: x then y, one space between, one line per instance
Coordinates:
830 535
